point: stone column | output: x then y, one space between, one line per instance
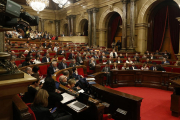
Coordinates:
178 56
72 23
2 42
95 10
89 26
57 22
42 25
69 25
132 24
124 26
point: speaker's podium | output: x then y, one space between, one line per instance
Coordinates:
10 86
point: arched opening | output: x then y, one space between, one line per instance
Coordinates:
83 27
114 32
163 28
65 28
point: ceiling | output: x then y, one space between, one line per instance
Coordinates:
52 5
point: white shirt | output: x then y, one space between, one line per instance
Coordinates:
128 61
37 61
111 54
47 59
119 61
55 49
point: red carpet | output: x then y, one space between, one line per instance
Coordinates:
155 104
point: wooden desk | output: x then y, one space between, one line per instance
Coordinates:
120 105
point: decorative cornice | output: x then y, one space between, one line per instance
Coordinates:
95 10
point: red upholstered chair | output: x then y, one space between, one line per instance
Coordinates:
15 50
67 55
143 61
97 61
21 50
18 62
81 72
60 58
68 63
168 69
157 62
176 70
106 117
120 67
31 112
172 62
43 70
22 61
52 54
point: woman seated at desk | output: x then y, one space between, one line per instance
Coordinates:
144 67
136 60
37 60
129 60
125 67
115 67
71 85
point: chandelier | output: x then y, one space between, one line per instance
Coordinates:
38 5
61 2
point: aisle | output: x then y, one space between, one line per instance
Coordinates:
155 104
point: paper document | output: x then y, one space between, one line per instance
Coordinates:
81 91
90 78
67 97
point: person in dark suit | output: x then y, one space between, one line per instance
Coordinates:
44 44
165 61
121 56
133 67
105 51
147 52
92 64
46 58
160 68
147 61
71 55
73 63
27 62
119 60
96 56
63 64
61 52
136 56
107 69
110 61
157 52
52 69
79 59
166 54
102 56
152 56
154 68
119 45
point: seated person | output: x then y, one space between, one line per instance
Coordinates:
147 61
27 62
92 64
21 55
129 60
147 52
165 61
136 60
61 52
136 56
166 54
55 58
71 55
157 52
63 80
144 56
119 60
67 75
152 56
82 83
73 63
13 59
160 68
46 58
126 55
133 67
154 68
79 59
144 67
113 54
115 67
63 64
29 96
102 56
39 107
177 63
52 69
29 71
107 69
37 60
71 85
96 56
110 61
54 95
125 67
121 56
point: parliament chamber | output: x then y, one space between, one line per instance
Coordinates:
89 60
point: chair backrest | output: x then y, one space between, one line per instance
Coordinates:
33 117
80 71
